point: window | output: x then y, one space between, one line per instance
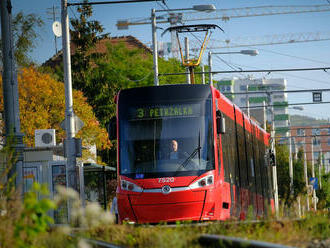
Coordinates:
243 100
315 131
243 87
316 142
329 142
278 97
328 130
300 132
316 155
147 131
299 144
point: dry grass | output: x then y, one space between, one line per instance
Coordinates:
293 233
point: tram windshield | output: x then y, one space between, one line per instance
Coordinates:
162 140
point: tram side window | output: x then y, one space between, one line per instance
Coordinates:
229 154
250 160
263 167
270 182
225 142
242 156
257 166
230 126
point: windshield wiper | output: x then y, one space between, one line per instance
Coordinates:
193 154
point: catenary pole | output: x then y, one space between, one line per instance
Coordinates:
290 164
69 115
186 43
275 185
10 93
313 175
210 68
154 46
306 177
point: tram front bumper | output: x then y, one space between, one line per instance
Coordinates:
158 207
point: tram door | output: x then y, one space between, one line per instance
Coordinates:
228 141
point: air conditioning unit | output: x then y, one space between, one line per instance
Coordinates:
44 138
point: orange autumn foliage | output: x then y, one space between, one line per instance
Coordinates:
42 106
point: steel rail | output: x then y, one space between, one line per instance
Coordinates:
210 240
97 243
101 244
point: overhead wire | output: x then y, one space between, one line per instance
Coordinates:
287 74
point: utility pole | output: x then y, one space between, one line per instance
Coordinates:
247 101
186 43
69 115
290 163
203 75
265 116
10 93
154 46
275 185
210 68
313 174
305 173
320 168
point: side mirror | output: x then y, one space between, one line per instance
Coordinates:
272 159
221 124
112 128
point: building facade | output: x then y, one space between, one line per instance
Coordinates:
315 141
257 97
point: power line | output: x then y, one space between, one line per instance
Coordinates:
111 2
251 71
276 91
316 127
290 75
289 104
307 136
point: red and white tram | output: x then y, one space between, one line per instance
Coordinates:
221 169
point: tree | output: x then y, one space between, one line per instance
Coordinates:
84 35
25 34
42 106
282 161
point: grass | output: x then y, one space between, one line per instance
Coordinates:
293 233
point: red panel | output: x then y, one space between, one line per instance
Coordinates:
124 209
247 123
225 197
245 203
239 117
260 205
168 212
272 204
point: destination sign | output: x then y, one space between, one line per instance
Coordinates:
177 110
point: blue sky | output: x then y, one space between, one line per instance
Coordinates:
296 55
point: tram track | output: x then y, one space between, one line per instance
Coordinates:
246 222
212 238
205 240
209 240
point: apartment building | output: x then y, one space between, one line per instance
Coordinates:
315 140
264 104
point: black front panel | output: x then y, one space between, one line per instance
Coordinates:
152 118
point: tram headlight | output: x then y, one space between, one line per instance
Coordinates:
205 181
126 185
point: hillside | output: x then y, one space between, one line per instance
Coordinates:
301 120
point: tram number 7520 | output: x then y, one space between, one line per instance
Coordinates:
166 180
